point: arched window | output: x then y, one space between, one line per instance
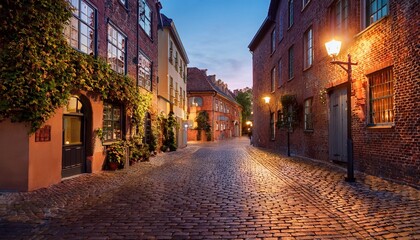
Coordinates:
195 102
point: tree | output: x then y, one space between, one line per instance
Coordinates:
244 98
203 124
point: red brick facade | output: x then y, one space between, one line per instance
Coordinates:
390 150
217 101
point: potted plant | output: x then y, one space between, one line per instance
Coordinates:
115 156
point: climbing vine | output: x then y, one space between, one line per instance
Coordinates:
39 70
290 109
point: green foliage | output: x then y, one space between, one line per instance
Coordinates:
245 100
170 126
289 117
39 70
202 120
115 153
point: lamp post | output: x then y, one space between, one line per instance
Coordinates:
333 48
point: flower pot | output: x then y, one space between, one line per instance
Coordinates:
112 166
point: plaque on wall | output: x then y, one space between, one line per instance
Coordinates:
43 134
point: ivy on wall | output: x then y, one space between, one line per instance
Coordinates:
39 70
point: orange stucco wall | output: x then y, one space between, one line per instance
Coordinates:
97 160
45 157
14 156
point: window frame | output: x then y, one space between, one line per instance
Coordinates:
113 122
290 14
368 14
308 48
305 3
280 69
272 126
273 41
141 58
142 22
308 114
273 79
79 18
291 72
389 106
115 45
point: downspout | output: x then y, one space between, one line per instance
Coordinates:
212 122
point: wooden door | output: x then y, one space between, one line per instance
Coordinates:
338 125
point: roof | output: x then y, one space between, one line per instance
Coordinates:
169 24
198 81
265 26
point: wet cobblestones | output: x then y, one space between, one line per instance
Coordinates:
226 190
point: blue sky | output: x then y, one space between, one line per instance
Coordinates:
216 34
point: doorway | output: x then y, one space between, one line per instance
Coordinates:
74 158
338 125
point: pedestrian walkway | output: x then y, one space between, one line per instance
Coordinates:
222 190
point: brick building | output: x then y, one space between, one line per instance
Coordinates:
290 59
124 33
205 93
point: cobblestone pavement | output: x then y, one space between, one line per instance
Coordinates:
225 190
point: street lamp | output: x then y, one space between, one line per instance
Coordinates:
267 100
333 48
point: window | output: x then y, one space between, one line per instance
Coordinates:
145 72
308 48
81 31
116 50
305 2
291 73
216 105
195 101
145 17
171 51
308 115
273 79
176 61
183 100
112 122
290 8
124 2
340 16
381 96
176 94
272 127
171 89
280 73
148 138
273 41
375 10
281 34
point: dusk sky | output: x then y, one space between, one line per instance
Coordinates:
216 34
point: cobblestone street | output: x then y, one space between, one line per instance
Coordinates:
225 190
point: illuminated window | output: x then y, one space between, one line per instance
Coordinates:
81 31
381 96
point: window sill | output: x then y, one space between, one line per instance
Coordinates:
371 26
307 68
305 6
308 131
290 79
380 126
110 142
125 6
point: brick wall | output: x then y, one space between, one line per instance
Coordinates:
387 152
